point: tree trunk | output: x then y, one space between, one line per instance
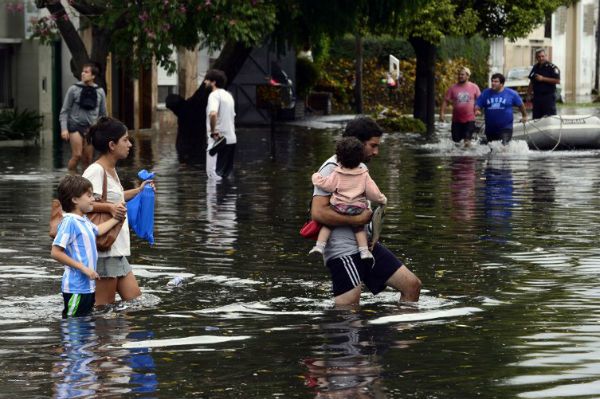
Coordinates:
191 112
187 71
80 56
424 103
100 50
358 75
69 35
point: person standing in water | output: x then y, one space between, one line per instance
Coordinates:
544 77
84 103
498 103
220 126
462 96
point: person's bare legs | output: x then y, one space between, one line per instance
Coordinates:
106 288
407 283
361 238
76 150
86 155
127 287
351 297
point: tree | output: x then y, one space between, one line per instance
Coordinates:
143 32
311 20
491 18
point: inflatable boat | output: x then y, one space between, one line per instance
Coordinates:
560 132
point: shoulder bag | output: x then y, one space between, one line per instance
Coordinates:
103 242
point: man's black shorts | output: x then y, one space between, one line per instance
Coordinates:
350 271
503 134
462 131
77 305
544 106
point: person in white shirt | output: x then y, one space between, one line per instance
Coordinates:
220 126
111 139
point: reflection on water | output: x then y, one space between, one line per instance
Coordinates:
221 215
498 201
463 188
91 366
346 365
505 242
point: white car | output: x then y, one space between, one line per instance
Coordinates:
518 80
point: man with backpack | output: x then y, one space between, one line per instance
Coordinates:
84 103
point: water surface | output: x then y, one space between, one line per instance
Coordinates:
505 243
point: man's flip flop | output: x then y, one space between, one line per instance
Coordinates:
377 224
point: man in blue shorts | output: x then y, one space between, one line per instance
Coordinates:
348 271
498 103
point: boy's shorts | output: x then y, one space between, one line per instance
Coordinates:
77 305
350 271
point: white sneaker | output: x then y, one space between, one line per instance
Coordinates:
316 250
365 254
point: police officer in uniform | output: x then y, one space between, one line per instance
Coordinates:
544 77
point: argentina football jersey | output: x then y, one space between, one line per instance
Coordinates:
77 235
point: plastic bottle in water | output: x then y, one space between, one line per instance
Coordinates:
176 282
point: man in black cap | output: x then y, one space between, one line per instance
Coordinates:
544 77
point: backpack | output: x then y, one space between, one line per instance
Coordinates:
88 99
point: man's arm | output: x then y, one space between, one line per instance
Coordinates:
64 113
102 106
212 117
546 79
523 113
321 212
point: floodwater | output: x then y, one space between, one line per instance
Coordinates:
505 243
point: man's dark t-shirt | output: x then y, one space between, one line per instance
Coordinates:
548 70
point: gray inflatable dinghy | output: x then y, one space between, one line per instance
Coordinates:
561 132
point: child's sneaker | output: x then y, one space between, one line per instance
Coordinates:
365 253
316 250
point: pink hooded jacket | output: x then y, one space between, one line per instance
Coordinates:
350 187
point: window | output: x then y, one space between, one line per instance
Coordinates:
6 100
167 84
548 27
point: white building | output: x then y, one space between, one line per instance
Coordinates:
570 42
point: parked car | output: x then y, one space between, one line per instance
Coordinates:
518 80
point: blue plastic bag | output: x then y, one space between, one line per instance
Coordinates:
140 210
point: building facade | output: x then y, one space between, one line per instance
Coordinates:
569 38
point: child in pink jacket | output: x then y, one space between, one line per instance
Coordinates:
351 187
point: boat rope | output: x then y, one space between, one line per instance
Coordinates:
530 139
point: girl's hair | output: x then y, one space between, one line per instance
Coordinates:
104 131
70 187
350 152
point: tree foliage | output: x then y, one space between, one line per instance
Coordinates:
142 31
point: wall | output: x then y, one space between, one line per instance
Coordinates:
574 31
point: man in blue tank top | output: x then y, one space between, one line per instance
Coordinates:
498 103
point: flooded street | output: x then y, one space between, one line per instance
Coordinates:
505 243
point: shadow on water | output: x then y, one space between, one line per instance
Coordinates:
504 241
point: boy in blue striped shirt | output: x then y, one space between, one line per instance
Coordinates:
75 245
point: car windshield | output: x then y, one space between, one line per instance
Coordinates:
519 73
